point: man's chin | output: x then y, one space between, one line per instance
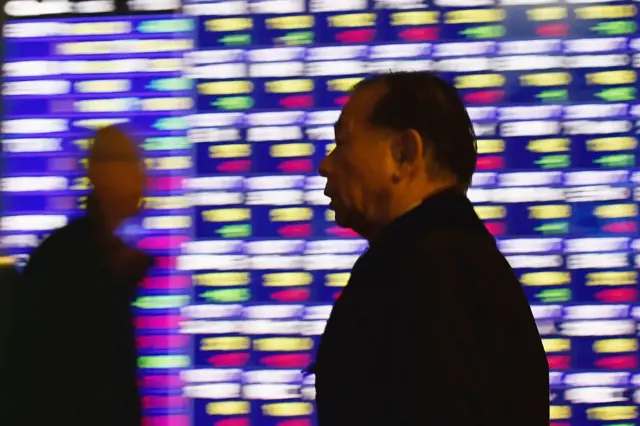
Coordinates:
341 216
341 219
346 220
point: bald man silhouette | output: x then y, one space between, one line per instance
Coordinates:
75 357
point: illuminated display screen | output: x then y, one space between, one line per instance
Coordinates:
235 101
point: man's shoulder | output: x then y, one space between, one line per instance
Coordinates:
454 243
62 240
462 256
75 228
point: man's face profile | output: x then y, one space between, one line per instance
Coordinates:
121 187
360 167
117 173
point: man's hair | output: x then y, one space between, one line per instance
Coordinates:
431 106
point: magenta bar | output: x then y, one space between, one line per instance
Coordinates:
168 282
164 242
162 382
166 262
158 322
163 342
166 183
173 420
163 402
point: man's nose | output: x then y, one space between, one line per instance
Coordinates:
323 168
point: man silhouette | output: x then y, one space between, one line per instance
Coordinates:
74 356
433 327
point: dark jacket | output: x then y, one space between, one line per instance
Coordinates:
433 328
9 277
73 355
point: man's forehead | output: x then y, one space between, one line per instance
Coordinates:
359 107
113 144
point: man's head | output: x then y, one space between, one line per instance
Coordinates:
117 174
401 137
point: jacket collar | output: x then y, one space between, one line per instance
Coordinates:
449 209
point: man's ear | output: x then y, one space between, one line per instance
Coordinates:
408 152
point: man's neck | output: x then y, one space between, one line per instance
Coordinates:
105 221
111 223
404 206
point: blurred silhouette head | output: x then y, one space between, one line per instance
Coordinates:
117 174
400 138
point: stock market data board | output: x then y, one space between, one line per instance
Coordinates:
234 103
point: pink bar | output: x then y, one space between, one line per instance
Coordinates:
484 97
617 295
292 295
166 262
163 402
553 30
233 359
356 36
160 322
234 421
297 101
295 422
170 282
174 420
234 166
296 166
490 162
341 100
558 362
165 242
628 226
298 230
619 362
420 34
166 183
286 360
495 228
162 382
162 342
342 232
